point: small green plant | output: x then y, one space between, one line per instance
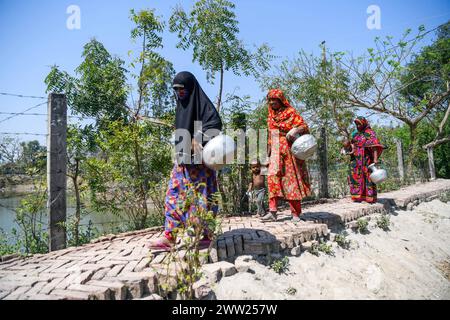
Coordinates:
342 241
321 246
184 262
31 235
280 265
5 246
362 225
314 249
84 234
384 222
444 197
291 291
325 248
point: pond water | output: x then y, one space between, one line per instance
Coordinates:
101 221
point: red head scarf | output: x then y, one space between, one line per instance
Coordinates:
362 122
286 117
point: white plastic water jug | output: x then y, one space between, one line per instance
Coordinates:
377 175
304 147
218 151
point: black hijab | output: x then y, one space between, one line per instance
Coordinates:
197 107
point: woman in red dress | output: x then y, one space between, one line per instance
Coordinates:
288 176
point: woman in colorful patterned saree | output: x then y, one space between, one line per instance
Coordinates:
366 150
288 176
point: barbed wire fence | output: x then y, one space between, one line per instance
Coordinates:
337 172
89 218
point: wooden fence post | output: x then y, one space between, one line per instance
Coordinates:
56 170
323 163
401 168
239 122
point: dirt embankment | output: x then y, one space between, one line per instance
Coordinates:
411 261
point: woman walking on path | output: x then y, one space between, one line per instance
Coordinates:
366 150
192 105
288 176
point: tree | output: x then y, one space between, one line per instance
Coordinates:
211 29
135 155
133 166
432 64
80 145
394 81
10 151
154 81
234 185
317 86
100 90
33 156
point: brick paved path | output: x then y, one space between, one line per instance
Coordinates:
120 267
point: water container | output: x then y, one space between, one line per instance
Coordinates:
377 175
218 151
304 147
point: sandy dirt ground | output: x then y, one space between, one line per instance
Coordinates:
411 261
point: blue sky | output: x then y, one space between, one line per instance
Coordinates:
34 36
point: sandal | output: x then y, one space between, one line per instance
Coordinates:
204 243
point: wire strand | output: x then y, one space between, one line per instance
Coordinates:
20 95
24 111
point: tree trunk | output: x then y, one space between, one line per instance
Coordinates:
219 100
412 148
78 203
323 164
222 192
142 187
431 163
401 168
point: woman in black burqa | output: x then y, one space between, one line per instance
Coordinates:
192 105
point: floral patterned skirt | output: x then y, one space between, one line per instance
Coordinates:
182 177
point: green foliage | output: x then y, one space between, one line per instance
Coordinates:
135 163
319 85
33 157
431 66
235 177
314 249
155 73
78 236
280 265
29 215
342 241
5 246
149 26
184 262
211 29
362 225
425 133
100 90
21 157
326 248
291 291
383 222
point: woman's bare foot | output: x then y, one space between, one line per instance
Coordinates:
271 216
